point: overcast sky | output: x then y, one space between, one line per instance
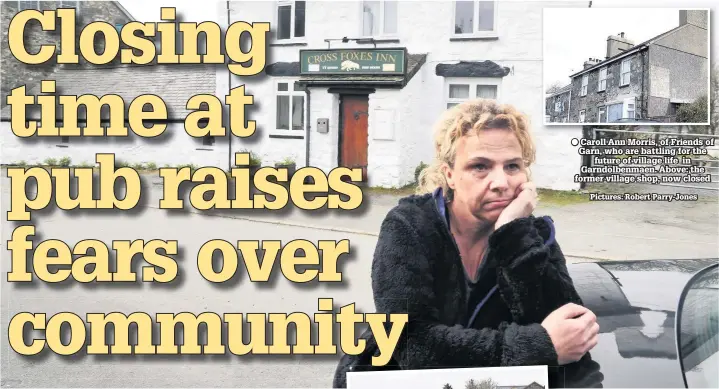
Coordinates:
436 378
573 35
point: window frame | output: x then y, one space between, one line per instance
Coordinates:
494 33
381 33
601 88
20 8
625 108
582 112
290 81
292 38
628 72
585 85
472 82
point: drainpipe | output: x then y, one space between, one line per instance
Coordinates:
309 130
569 106
229 90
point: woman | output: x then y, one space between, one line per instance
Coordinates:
467 241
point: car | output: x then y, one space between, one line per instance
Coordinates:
659 325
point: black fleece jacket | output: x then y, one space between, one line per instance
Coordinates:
417 270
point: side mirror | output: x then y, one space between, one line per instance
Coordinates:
697 327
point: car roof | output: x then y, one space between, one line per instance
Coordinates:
635 303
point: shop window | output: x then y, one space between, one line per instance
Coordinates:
290 107
475 18
462 90
290 20
379 18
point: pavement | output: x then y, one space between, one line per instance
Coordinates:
587 232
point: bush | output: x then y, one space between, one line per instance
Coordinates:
65 161
695 112
418 170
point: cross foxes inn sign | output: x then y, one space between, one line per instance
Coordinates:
353 61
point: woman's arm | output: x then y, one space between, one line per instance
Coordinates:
532 272
402 281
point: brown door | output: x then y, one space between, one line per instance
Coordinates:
354 134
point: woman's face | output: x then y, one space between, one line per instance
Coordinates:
487 173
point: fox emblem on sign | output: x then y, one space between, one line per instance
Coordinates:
349 65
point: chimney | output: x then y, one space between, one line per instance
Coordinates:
617 44
694 17
591 62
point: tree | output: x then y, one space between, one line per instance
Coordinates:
483 384
696 112
554 87
487 384
447 386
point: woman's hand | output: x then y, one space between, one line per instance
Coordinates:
522 206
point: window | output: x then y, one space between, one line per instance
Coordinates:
475 17
625 75
290 20
461 90
23 5
582 116
379 18
602 114
290 109
602 79
69 4
585 83
614 112
629 111
558 106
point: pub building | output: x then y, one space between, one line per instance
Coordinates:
361 84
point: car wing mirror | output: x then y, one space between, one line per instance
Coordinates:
697 329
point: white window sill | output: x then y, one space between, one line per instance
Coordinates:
380 38
475 36
289 42
289 134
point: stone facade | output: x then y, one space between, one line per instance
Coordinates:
14 73
659 75
594 99
557 106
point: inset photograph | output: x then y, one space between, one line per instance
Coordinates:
625 66
521 377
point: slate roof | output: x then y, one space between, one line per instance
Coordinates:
175 84
564 89
472 69
623 54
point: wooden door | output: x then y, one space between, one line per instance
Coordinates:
354 135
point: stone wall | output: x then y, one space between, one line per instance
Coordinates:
14 73
614 93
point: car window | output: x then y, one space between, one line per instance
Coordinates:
698 330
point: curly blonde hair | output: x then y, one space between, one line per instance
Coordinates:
467 118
